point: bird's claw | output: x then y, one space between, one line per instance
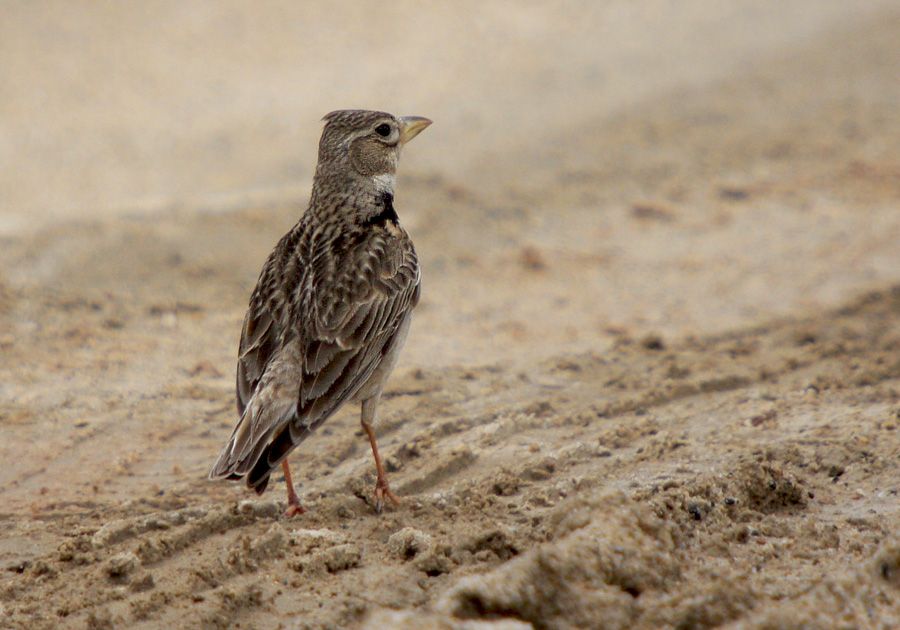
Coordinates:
382 492
293 509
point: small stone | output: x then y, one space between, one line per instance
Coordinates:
341 557
540 471
887 562
112 532
393 464
408 543
695 511
531 258
434 562
307 540
121 565
142 582
733 193
41 567
652 211
262 509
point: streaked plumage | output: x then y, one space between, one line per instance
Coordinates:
332 305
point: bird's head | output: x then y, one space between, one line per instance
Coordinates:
361 147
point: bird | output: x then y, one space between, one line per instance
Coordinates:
332 306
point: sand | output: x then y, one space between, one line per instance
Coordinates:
653 382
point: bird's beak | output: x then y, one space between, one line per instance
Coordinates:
411 126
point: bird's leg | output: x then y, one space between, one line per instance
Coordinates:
294 506
382 490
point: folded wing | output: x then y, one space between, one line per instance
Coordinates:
306 353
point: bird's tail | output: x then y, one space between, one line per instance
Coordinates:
269 459
252 451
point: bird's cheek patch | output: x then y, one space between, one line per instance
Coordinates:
370 157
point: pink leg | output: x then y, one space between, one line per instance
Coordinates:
382 490
294 506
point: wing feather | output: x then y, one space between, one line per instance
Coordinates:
303 355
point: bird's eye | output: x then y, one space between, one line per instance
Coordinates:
383 130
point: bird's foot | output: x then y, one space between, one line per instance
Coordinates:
382 492
293 509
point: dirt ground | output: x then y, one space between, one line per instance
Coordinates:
653 382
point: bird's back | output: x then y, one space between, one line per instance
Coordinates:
326 308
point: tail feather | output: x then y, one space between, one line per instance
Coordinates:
273 454
281 412
261 486
251 438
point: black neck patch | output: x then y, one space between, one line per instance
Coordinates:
387 212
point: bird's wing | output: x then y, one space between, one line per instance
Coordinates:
345 325
258 338
356 312
265 330
263 339
354 322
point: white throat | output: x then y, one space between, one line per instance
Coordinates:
384 183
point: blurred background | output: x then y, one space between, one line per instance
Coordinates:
112 107
604 166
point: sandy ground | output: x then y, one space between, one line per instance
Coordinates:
654 379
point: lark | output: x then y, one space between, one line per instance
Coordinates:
332 306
